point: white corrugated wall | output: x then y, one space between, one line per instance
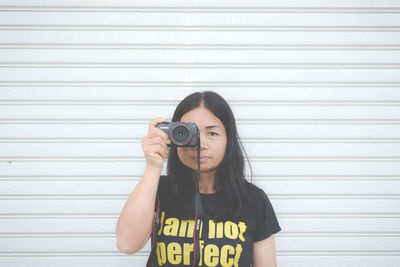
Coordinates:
314 85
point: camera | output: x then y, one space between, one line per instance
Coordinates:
181 133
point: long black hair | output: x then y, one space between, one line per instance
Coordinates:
230 174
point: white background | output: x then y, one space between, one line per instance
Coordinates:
314 86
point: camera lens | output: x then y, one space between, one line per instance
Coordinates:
180 133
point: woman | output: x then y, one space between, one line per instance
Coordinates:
239 222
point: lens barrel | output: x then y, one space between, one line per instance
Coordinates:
183 134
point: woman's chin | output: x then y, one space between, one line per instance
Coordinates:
195 168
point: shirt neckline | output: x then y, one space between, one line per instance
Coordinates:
210 195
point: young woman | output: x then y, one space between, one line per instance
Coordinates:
239 222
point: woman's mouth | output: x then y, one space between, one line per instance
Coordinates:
202 158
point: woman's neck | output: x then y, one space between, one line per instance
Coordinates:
206 183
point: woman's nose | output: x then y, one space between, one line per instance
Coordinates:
203 143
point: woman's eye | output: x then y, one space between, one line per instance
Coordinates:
213 133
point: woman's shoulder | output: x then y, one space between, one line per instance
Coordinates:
163 178
164 188
258 194
163 182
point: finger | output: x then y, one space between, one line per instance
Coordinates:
154 122
159 149
160 133
166 152
157 140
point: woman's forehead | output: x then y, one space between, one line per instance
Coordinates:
211 125
203 118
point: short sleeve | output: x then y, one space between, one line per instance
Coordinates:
266 221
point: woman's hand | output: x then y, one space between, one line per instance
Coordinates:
154 144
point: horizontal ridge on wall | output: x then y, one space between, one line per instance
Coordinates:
215 46
209 65
194 28
377 7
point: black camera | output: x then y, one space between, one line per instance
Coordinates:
181 133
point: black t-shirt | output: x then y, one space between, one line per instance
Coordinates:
226 243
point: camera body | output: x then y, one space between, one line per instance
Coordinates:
184 134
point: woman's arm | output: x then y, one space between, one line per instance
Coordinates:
264 253
135 222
